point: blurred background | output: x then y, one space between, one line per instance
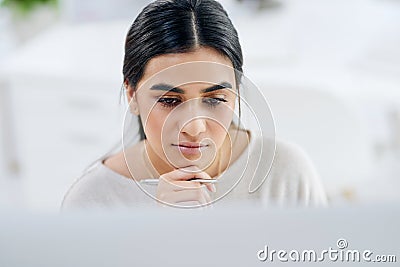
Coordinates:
329 69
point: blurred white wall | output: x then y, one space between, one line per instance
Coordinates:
78 11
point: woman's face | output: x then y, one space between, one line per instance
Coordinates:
186 102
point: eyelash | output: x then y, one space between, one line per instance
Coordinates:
171 102
214 101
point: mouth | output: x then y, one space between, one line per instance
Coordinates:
190 148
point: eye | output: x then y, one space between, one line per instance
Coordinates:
213 101
169 102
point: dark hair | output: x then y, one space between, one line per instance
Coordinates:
178 26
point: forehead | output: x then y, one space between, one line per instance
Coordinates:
204 65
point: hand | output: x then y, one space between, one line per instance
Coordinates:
174 187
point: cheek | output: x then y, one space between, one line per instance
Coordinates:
218 127
152 118
217 132
154 125
223 117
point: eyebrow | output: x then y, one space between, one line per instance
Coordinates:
170 88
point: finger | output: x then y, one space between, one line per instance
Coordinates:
207 196
184 185
179 185
211 187
185 174
184 196
202 199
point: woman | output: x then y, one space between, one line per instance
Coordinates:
182 71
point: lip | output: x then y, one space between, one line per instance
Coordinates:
190 148
190 145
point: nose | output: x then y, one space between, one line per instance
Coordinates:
194 127
191 120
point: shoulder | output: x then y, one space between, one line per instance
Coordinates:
291 157
285 156
293 177
117 164
96 187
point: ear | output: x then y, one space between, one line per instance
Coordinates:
131 96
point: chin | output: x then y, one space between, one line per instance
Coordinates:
179 160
